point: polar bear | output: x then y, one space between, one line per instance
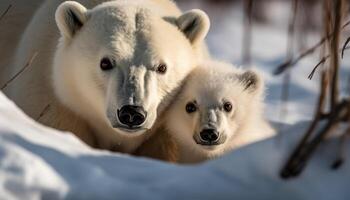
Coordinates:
219 108
109 70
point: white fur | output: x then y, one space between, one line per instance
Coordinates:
210 85
66 75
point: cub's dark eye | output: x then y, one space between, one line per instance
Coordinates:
227 107
191 107
161 69
106 64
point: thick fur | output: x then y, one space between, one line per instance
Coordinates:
210 86
161 146
64 86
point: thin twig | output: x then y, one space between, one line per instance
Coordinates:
289 63
319 114
304 150
29 63
334 54
43 112
247 32
5 12
348 86
289 56
322 61
344 47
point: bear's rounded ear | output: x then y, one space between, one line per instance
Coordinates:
252 82
194 24
70 17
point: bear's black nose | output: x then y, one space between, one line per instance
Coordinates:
132 115
209 135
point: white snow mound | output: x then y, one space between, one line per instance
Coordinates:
37 162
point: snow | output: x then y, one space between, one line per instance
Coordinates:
37 162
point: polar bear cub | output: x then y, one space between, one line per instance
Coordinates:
218 109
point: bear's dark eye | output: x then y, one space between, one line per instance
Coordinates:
191 107
106 64
227 107
161 69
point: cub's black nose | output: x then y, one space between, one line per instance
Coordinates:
209 135
132 115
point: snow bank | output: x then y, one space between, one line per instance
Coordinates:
40 163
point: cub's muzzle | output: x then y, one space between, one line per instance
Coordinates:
209 137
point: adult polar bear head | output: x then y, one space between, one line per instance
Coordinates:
118 64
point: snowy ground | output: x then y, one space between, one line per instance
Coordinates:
40 163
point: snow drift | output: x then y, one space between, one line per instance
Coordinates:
37 162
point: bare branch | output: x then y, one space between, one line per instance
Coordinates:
289 56
293 160
345 136
302 154
247 32
323 60
43 112
334 53
348 87
28 64
289 63
339 110
5 12
344 47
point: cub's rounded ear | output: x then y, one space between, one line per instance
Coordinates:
194 24
70 17
252 81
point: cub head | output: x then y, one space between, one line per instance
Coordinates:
118 64
215 102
